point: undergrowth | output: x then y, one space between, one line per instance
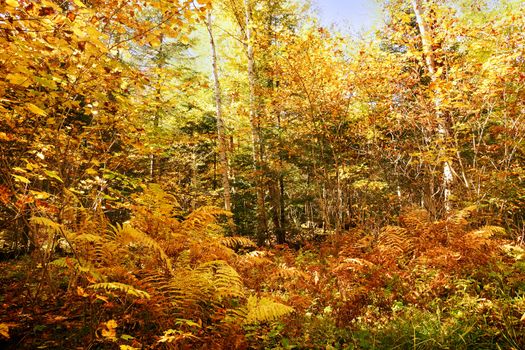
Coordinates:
174 281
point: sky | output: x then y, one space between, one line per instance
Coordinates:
349 15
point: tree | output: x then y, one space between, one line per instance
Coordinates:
258 146
434 72
220 122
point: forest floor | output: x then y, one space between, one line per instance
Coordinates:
420 285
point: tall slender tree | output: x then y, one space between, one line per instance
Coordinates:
258 148
221 130
428 52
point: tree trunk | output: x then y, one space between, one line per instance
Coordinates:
223 156
281 232
426 42
154 161
262 227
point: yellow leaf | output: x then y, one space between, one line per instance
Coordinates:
79 3
36 109
53 174
18 79
100 297
184 39
72 78
21 179
154 41
40 195
110 329
81 292
4 330
6 137
127 347
12 3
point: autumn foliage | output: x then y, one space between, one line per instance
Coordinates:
373 186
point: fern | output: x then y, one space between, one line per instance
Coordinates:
223 278
188 289
252 260
353 264
286 272
514 251
237 242
45 222
263 310
126 234
415 219
78 266
125 288
183 292
489 231
460 217
396 239
202 219
87 237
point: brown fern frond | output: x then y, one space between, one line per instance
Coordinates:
287 272
415 219
126 234
395 239
254 259
461 216
352 265
237 242
202 219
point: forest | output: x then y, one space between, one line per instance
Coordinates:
232 174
